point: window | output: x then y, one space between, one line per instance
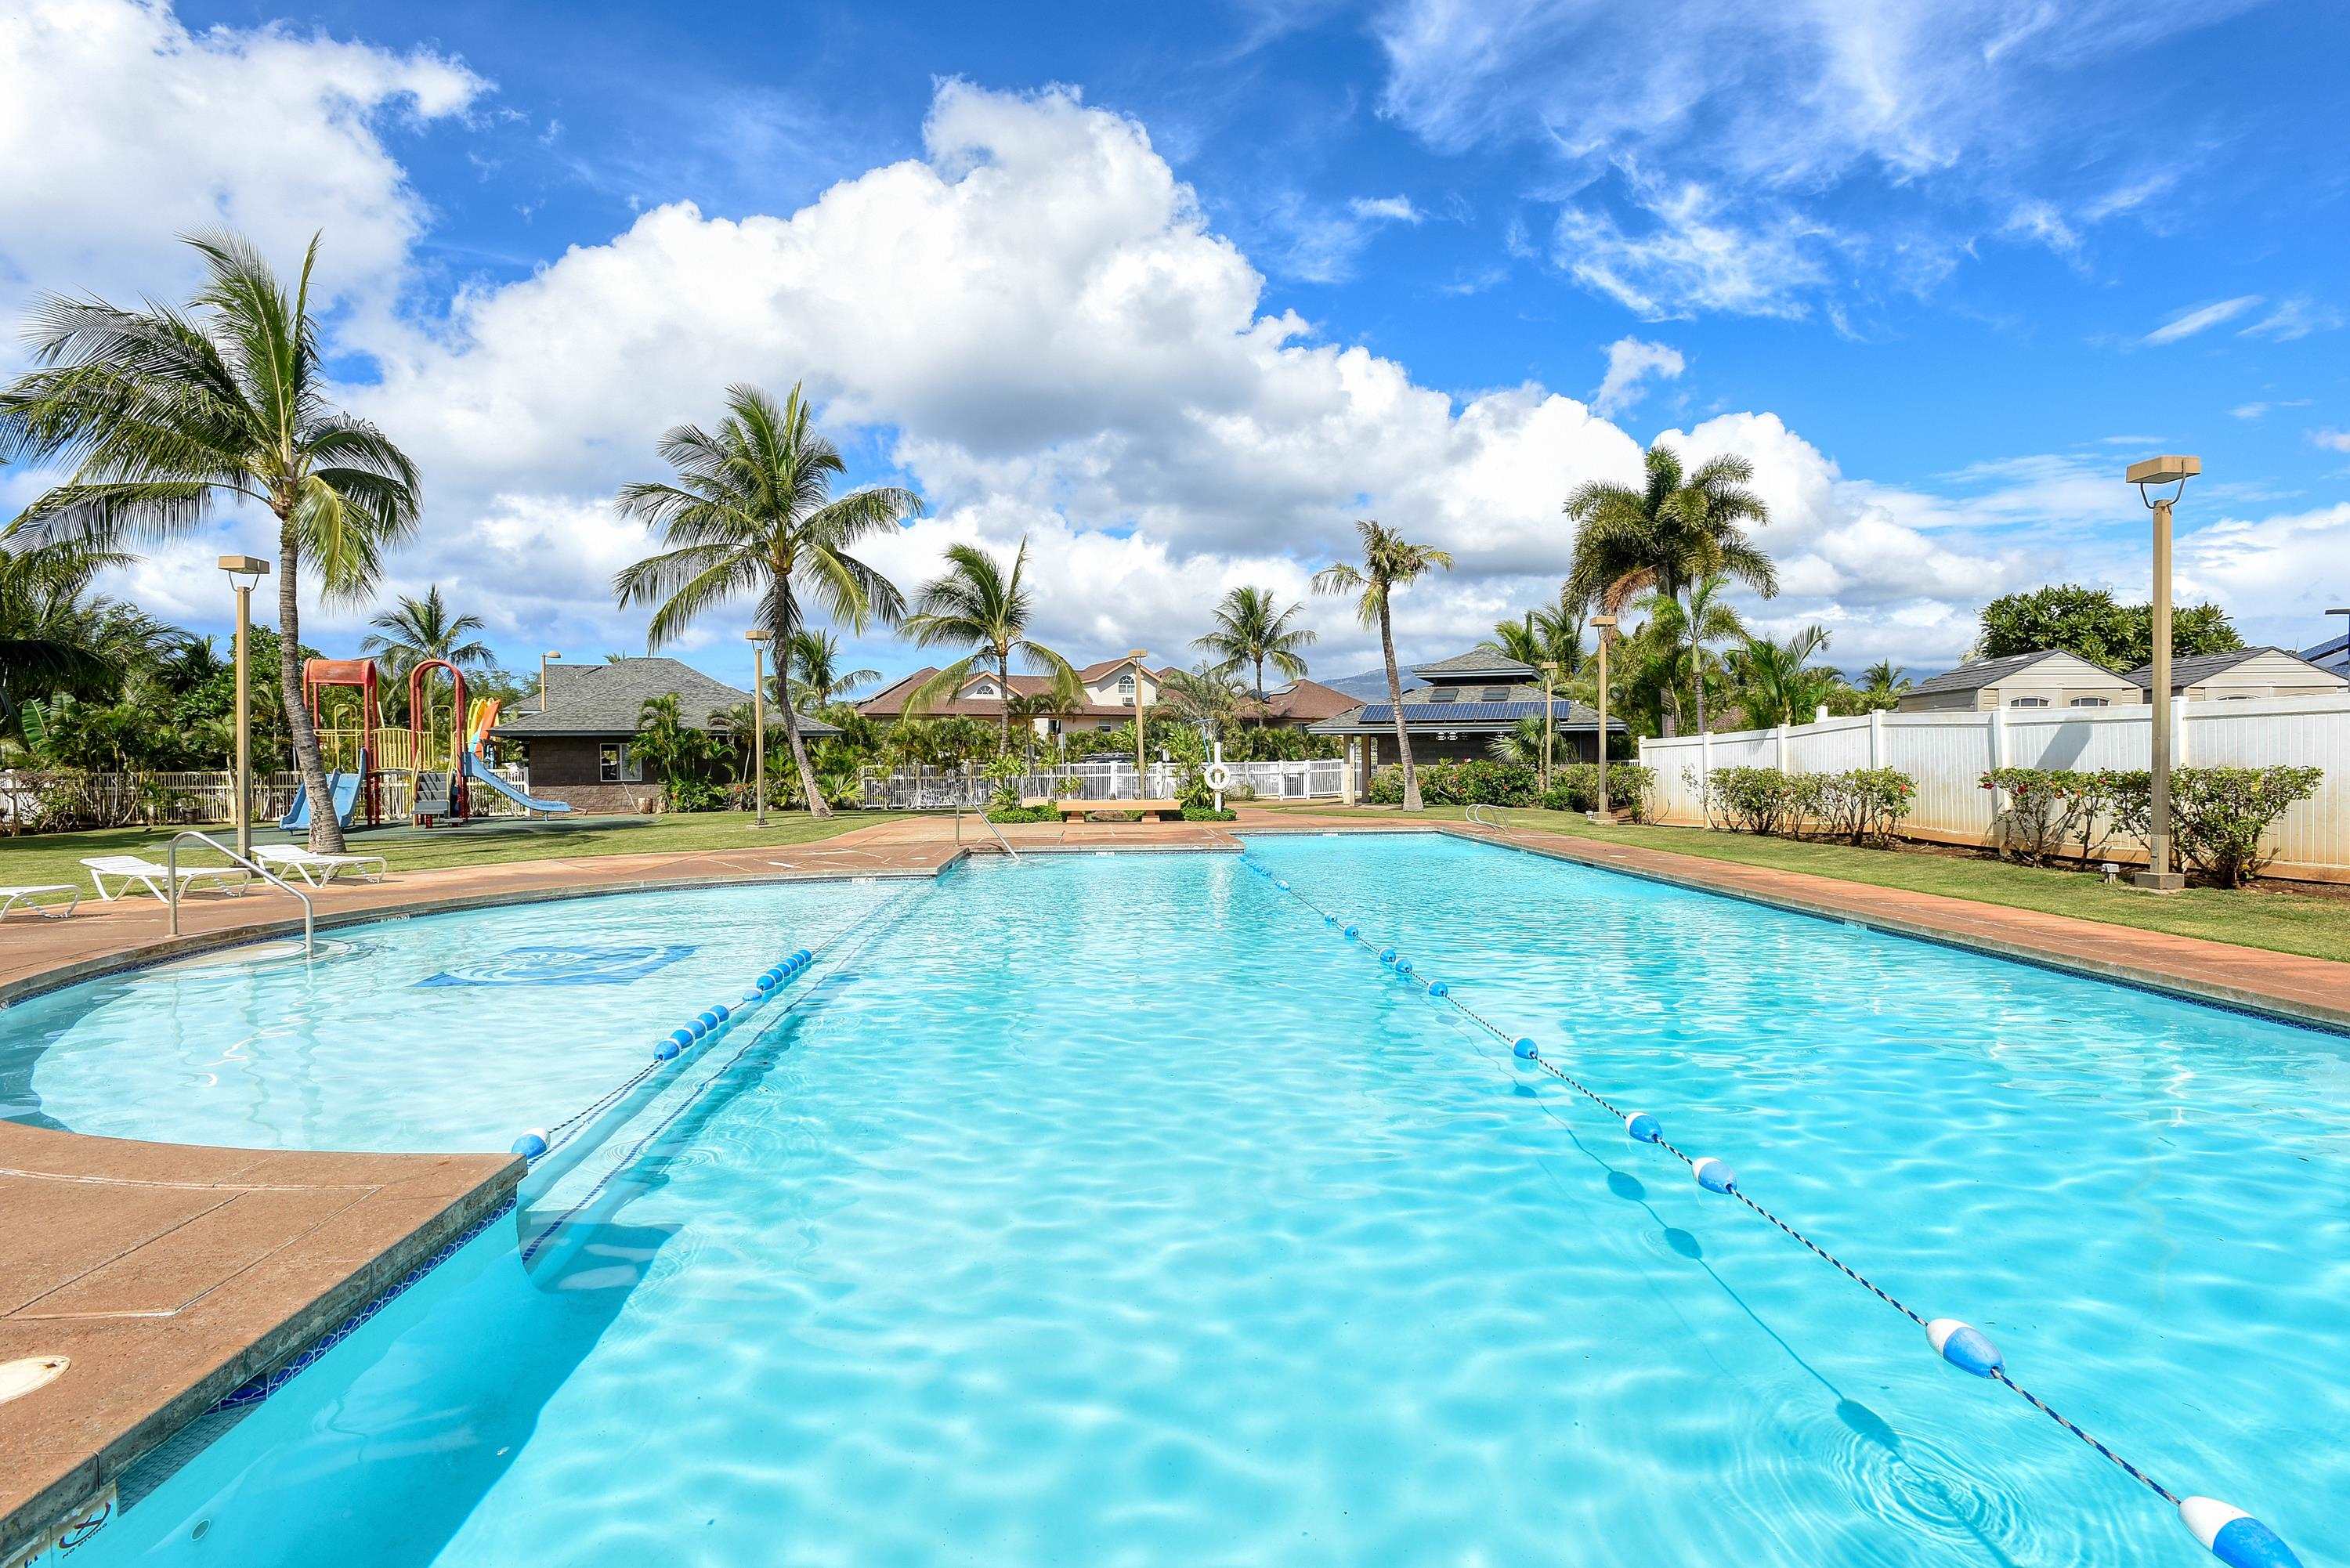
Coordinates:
2089 703
614 764
2027 701
985 689
1444 694
1494 694
1126 688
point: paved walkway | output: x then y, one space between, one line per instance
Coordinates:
167 1274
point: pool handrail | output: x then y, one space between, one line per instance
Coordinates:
171 883
1477 806
1002 843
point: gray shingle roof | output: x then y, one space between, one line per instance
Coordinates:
1420 713
1984 672
1477 661
606 700
2198 667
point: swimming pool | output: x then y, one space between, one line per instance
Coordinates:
1112 1210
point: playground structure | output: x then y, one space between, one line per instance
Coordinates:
422 772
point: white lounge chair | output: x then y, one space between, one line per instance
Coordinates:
12 896
316 868
135 869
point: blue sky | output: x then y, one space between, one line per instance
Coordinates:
1176 292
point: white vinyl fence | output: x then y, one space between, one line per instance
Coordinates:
32 801
938 789
1946 755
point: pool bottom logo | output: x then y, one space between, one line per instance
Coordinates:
565 966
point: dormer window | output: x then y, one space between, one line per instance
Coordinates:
985 689
1444 694
1494 694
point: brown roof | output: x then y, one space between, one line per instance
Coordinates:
1307 703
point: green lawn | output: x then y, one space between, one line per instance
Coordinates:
2312 924
56 856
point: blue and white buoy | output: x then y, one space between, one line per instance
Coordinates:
1713 1175
766 983
2233 1536
1964 1346
1644 1128
1387 955
1351 932
666 1051
1403 966
1437 988
1526 1049
532 1143
709 1021
680 1038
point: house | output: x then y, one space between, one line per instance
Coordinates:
2048 678
1299 705
1113 688
577 747
2241 674
1453 707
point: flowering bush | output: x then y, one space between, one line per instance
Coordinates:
1863 805
2219 816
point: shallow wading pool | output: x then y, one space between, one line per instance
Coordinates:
1118 1210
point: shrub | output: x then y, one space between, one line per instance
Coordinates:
1574 786
2220 815
1752 800
1023 813
1863 805
2053 811
1474 782
1207 814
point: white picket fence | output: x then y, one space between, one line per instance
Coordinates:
938 789
1947 753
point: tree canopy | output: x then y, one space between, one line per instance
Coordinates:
2093 625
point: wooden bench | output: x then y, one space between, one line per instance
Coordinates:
1077 810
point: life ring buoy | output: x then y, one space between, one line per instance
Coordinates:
1220 776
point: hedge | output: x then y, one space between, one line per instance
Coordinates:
1863 805
1574 786
2219 816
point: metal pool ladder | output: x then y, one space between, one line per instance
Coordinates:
1001 842
172 882
1482 821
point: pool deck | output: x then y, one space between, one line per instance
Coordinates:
168 1274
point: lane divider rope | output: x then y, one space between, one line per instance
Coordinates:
2229 1533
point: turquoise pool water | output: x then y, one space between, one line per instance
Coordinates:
1110 1211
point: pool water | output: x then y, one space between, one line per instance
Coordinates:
1112 1210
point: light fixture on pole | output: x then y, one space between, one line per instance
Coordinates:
757 637
244 572
1605 625
543 660
2159 877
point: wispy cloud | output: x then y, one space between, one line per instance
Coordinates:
1694 256
1631 365
2295 317
1385 209
2202 318
2254 411
2332 439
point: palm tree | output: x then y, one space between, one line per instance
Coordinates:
193 660
1686 631
1675 530
978 606
1523 741
1250 631
752 512
1023 709
161 413
1205 696
414 632
812 673
56 636
1883 684
1777 681
1389 562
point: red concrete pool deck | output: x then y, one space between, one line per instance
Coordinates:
168 1274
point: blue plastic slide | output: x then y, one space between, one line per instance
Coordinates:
343 788
479 772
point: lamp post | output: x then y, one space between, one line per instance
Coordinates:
757 637
543 659
244 572
2157 877
1550 688
1605 625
